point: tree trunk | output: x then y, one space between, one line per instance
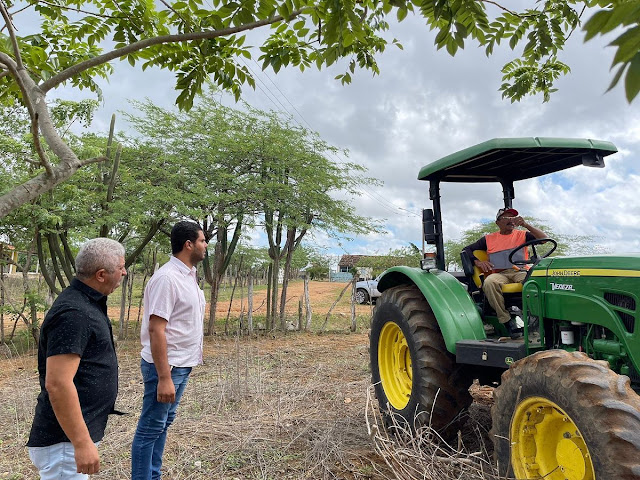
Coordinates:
307 302
123 303
275 274
233 291
290 245
250 303
54 246
213 303
67 251
51 281
268 322
34 327
54 262
131 275
1 299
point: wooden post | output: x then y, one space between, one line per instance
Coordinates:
353 304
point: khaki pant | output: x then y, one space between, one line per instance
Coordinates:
492 288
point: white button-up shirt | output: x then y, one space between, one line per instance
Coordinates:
173 294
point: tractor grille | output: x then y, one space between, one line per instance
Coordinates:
628 320
619 300
626 302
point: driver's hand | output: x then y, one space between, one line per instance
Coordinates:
518 221
484 266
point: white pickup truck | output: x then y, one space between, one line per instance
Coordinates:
367 290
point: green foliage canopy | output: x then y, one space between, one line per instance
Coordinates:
199 41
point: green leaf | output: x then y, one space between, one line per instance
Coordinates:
632 78
628 45
616 77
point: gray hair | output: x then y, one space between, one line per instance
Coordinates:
97 254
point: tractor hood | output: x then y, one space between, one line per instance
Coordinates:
592 266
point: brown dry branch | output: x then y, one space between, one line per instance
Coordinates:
421 454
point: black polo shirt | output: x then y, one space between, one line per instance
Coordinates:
77 323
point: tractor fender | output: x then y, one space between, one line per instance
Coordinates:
455 311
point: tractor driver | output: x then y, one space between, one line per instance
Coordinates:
498 270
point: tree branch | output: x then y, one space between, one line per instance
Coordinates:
501 7
150 42
89 161
78 10
12 34
44 161
21 9
170 7
12 67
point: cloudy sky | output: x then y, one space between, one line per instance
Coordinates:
425 105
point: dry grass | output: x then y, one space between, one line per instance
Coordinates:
285 408
270 407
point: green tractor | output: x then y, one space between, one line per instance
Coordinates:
566 406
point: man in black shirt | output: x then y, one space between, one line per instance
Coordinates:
78 367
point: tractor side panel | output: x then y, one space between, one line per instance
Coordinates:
457 315
602 290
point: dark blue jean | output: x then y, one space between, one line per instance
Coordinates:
155 419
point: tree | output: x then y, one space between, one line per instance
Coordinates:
567 244
297 192
210 150
197 41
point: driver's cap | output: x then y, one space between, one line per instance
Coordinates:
503 211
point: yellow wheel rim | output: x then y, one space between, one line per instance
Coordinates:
546 443
394 364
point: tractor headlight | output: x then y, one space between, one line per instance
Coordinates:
428 262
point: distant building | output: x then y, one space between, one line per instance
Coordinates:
8 254
348 263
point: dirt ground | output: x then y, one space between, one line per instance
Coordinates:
273 406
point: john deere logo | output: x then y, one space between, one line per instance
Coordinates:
508 360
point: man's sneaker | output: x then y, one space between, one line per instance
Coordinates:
513 329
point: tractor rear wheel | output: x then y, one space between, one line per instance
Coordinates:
560 415
416 379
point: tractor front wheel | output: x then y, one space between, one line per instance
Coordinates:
416 379
560 415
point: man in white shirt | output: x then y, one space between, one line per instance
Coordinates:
171 337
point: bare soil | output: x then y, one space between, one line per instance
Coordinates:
273 406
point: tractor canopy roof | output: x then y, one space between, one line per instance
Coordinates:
511 159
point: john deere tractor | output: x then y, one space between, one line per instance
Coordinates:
566 405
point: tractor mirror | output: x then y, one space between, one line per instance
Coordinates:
428 226
593 160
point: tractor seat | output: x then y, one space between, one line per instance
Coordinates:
478 276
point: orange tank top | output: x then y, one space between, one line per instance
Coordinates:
499 246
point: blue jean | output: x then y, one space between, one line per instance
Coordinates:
56 462
155 419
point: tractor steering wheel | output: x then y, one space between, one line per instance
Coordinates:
532 243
